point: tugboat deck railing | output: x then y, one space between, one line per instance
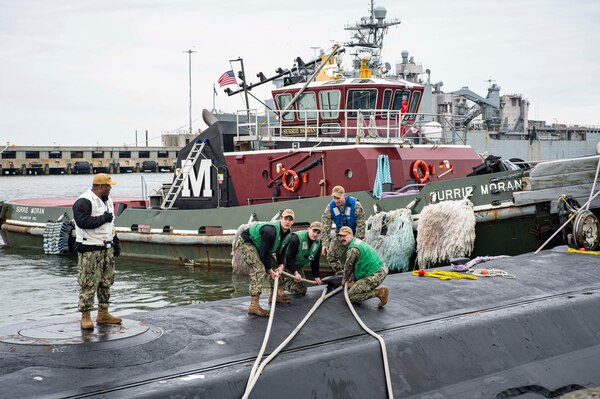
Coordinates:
355 126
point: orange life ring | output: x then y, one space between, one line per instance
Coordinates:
420 171
295 182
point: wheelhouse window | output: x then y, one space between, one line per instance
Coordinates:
307 106
330 101
414 102
282 101
364 100
399 97
385 104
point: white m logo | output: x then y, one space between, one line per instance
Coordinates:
197 185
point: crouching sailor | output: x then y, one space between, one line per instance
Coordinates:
262 241
304 249
97 246
364 271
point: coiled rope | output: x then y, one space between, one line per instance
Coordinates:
483 272
383 175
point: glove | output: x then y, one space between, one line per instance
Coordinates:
117 247
108 217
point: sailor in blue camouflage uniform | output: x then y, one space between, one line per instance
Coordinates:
364 271
97 245
343 210
261 242
304 249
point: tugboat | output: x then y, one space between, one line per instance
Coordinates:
329 127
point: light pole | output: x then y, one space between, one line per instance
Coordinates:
190 78
315 48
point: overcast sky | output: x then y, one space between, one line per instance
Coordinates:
87 72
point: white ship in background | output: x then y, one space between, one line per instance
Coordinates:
493 125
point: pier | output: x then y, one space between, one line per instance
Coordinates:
57 160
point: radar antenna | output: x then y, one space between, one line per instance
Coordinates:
369 32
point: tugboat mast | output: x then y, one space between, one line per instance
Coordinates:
369 33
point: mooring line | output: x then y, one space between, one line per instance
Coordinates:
386 368
322 299
267 333
256 371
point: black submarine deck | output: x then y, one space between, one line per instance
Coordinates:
535 335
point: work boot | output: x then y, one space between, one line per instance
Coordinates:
255 308
382 294
86 321
106 318
281 296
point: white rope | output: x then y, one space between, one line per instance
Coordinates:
386 367
301 279
267 333
255 374
258 369
483 272
587 207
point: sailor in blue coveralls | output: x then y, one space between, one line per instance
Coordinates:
343 210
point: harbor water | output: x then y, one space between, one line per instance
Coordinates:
34 286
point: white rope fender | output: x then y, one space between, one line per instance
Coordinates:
386 367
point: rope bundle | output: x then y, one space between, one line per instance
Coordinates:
391 235
483 272
443 275
446 230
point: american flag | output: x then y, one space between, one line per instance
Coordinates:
228 78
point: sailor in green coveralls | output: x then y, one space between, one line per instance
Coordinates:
364 271
304 249
261 242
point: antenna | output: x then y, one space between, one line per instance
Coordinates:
490 80
190 78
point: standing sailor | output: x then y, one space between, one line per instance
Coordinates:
97 245
304 249
260 243
364 270
343 210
